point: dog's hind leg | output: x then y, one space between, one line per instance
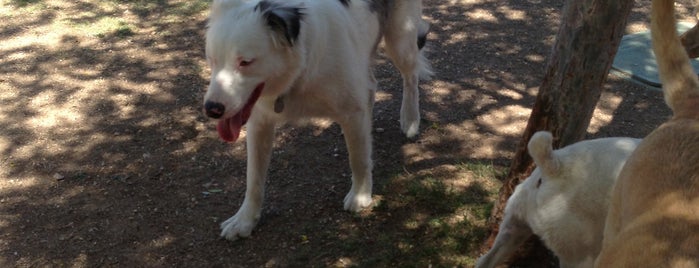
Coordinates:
357 132
404 35
260 138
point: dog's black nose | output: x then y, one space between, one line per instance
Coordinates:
214 109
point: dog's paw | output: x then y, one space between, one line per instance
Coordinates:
410 124
410 129
237 226
356 202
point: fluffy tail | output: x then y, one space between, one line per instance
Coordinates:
680 83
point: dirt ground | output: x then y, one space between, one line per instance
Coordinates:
106 159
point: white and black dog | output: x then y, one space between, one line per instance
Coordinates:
275 61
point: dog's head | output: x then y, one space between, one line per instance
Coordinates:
252 49
563 179
547 165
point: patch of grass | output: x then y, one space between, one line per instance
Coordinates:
24 3
102 18
143 7
173 11
435 194
24 7
104 26
483 211
483 170
434 220
436 241
190 8
123 30
443 198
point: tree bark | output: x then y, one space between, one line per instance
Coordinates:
585 47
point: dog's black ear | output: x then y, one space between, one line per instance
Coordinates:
282 19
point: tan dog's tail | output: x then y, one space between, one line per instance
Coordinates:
680 83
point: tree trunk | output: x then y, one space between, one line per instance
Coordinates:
586 44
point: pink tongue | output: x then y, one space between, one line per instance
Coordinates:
229 128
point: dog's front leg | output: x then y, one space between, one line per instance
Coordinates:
260 138
357 131
512 233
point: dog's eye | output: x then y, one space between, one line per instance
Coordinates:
244 63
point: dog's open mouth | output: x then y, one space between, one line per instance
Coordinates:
229 128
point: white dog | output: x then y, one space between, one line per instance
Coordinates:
564 201
276 61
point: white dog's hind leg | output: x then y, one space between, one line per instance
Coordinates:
260 138
401 38
357 131
403 56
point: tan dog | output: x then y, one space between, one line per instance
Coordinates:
654 215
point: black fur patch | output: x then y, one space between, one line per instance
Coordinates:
345 2
285 20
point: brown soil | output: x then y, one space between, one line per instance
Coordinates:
107 160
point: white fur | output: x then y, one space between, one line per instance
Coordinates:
564 201
325 73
